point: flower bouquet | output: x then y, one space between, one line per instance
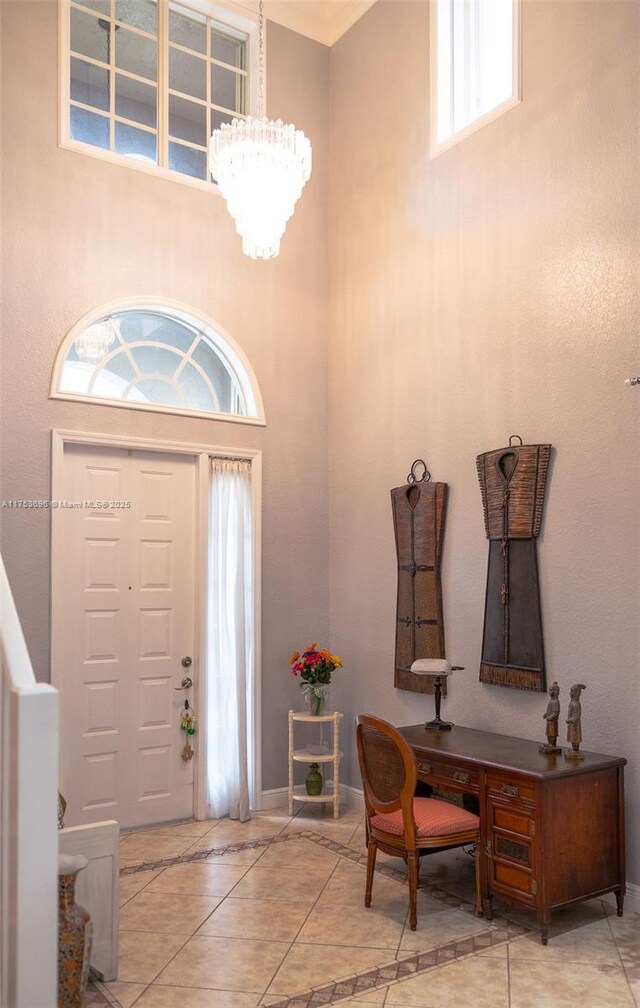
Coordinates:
314 666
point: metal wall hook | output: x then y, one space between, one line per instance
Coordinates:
512 436
414 478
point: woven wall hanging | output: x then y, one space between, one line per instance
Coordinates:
512 482
419 510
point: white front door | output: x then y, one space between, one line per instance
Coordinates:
122 622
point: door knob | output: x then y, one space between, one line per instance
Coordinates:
186 683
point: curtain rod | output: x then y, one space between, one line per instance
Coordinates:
230 458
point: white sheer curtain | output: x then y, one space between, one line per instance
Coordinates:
229 687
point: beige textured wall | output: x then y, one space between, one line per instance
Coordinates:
491 291
79 232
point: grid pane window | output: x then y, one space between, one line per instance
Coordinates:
158 360
125 54
195 46
117 75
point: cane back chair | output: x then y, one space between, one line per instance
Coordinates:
399 823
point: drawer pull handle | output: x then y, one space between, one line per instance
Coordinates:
461 777
511 790
424 768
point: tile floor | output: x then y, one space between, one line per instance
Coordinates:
222 914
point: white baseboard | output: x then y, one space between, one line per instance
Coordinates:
278 798
352 797
273 799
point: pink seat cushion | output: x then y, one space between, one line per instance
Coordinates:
433 817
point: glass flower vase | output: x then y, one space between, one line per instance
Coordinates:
316 705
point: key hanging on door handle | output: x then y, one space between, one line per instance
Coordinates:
186 683
188 719
188 725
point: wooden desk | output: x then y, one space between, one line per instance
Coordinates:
552 830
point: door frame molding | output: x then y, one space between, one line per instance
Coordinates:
201 453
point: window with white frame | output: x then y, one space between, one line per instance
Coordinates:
475 59
150 81
154 356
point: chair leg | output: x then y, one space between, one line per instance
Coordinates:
481 884
412 871
371 867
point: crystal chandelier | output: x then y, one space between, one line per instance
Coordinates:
92 344
261 167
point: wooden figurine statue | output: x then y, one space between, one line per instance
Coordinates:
574 723
551 716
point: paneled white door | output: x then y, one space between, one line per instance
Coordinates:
123 620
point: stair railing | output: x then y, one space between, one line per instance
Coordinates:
28 821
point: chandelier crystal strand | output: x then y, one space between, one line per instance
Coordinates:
261 108
92 345
261 167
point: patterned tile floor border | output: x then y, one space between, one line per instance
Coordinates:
401 969
499 932
98 995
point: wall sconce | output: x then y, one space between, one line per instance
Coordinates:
439 669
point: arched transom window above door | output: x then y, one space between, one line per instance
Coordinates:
156 356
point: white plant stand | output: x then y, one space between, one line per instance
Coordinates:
330 790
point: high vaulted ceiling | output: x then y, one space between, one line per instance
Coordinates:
322 20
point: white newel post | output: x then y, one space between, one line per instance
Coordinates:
28 822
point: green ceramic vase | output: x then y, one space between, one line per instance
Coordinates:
313 781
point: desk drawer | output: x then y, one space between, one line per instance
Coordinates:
449 775
512 849
511 788
513 881
511 820
510 862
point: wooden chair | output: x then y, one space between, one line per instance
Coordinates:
399 823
